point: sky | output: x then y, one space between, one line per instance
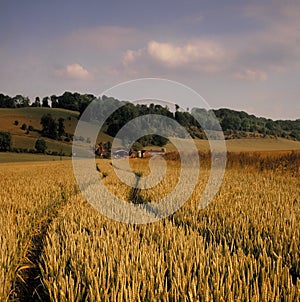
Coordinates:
243 55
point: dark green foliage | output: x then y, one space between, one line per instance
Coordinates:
137 146
295 134
5 141
61 127
54 101
72 101
241 121
36 103
16 123
7 102
45 102
24 127
153 139
40 146
49 126
21 101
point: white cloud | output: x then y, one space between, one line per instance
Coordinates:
196 52
74 71
194 56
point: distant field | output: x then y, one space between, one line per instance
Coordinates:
262 144
8 157
249 145
236 145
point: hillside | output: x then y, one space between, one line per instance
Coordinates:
32 117
12 119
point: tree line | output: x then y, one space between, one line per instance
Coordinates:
68 100
235 124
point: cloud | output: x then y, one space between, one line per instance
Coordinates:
74 71
250 74
197 55
130 56
199 52
268 45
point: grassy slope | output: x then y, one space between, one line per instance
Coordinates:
32 116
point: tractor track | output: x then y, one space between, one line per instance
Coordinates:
135 192
28 285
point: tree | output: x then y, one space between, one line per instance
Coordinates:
40 146
231 122
68 101
6 101
37 102
61 127
54 101
45 102
21 101
24 126
49 126
5 141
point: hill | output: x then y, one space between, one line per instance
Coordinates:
11 120
243 132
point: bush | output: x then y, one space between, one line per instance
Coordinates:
24 127
40 146
16 123
5 141
30 128
137 146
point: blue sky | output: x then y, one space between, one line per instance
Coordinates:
243 55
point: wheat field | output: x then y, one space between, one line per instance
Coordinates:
243 247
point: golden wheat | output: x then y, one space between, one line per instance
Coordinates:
243 247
